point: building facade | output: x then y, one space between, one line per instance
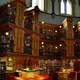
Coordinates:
28 37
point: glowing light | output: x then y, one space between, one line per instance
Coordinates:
42 42
64 70
9 5
78 23
60 26
42 22
65 23
73 26
60 45
41 78
9 59
41 4
69 7
27 69
18 78
7 33
62 7
56 47
56 31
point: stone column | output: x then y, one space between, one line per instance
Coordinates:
69 37
18 32
35 36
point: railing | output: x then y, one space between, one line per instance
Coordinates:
52 35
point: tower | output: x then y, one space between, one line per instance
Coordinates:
19 24
18 31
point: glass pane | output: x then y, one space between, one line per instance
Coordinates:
62 7
68 7
41 4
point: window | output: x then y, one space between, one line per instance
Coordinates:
62 7
66 7
39 3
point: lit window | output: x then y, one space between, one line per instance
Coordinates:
39 3
62 7
66 7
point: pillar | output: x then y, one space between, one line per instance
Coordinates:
18 32
69 38
35 36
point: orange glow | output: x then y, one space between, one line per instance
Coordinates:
32 76
19 78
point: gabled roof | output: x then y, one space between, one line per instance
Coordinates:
51 18
55 19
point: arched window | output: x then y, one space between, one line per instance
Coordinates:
62 7
39 3
43 5
66 7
